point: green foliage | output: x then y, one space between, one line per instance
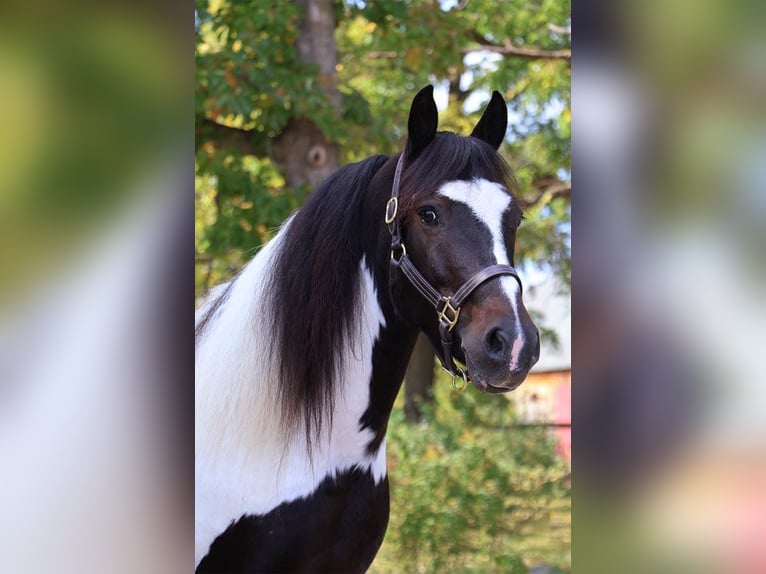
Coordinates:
249 78
238 205
471 492
248 73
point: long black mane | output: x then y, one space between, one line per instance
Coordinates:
315 284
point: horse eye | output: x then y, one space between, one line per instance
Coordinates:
428 215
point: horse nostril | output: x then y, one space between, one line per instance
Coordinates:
495 343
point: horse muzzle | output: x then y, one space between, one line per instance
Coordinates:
500 356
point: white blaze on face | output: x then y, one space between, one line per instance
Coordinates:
489 201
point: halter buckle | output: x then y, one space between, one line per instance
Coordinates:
448 309
392 206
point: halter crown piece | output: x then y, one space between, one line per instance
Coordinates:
447 307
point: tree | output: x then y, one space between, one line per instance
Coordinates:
277 108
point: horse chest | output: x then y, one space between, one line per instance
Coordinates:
337 528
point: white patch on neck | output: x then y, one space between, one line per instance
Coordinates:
489 201
242 464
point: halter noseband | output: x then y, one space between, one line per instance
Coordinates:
447 307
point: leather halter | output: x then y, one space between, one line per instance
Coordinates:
447 307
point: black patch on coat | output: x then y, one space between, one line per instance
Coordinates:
338 528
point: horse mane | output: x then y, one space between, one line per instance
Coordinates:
315 286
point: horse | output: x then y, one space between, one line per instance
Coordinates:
299 358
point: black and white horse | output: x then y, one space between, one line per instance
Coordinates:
300 357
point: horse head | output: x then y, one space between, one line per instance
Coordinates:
455 224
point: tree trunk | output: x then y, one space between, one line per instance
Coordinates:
316 44
301 151
304 155
419 381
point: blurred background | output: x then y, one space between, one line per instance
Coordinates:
287 94
668 307
96 367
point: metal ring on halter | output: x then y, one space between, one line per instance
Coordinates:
464 376
391 208
402 253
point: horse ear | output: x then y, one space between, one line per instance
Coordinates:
421 126
493 123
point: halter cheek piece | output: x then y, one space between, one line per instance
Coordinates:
447 307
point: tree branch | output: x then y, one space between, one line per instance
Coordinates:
247 142
548 188
560 30
382 55
508 49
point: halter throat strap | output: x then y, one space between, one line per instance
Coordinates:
447 307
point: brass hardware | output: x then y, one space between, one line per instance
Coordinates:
465 380
450 321
454 377
402 254
391 208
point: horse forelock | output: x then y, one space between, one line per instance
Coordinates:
450 157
